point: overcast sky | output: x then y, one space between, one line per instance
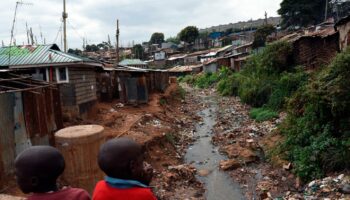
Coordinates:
95 19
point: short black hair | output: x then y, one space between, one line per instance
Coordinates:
44 162
115 156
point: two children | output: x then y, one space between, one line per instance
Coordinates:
122 160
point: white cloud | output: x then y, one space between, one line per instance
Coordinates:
139 18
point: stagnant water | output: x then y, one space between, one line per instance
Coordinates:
205 156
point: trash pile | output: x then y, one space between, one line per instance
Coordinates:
241 139
329 188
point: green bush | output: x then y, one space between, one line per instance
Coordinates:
262 114
228 86
285 87
255 91
262 73
317 129
189 79
206 80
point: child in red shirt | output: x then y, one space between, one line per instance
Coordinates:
127 175
37 170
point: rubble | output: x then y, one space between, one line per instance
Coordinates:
229 164
332 187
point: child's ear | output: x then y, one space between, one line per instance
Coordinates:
34 181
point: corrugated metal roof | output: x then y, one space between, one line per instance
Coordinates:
188 68
31 56
131 62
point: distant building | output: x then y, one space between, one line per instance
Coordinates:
133 63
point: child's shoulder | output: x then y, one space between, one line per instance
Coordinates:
66 193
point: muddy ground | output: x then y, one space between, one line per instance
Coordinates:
165 127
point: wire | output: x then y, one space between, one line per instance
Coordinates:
75 30
58 32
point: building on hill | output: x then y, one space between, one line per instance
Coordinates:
343 27
133 63
75 75
251 24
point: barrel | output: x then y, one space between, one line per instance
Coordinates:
79 146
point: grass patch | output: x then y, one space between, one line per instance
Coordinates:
262 114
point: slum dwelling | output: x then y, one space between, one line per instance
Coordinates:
30 115
75 76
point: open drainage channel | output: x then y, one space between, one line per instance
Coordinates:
205 156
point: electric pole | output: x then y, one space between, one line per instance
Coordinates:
64 16
117 42
326 11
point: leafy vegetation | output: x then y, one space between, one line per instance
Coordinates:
302 12
157 38
263 114
189 34
261 34
317 129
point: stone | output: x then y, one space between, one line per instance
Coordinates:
287 167
346 189
312 183
203 172
229 164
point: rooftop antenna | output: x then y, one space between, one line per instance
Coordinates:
18 3
28 35
64 16
117 42
41 35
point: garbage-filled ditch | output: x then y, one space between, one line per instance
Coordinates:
206 157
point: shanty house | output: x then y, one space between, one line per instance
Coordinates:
74 75
135 85
30 115
314 49
343 27
133 63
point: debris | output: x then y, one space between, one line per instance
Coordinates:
229 164
203 172
287 166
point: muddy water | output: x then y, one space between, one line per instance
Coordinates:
205 156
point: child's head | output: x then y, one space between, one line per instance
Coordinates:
123 158
38 168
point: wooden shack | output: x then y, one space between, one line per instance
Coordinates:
75 76
314 49
30 114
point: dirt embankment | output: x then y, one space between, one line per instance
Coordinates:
164 128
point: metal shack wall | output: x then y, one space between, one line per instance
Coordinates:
157 81
7 137
42 115
134 87
26 119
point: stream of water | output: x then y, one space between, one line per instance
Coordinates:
205 156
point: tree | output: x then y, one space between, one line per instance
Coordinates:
91 48
302 12
261 34
189 34
174 40
157 38
138 51
75 51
